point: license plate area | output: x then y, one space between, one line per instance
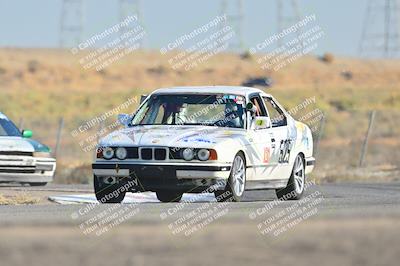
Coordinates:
155 172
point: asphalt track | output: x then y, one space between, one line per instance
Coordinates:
343 199
341 224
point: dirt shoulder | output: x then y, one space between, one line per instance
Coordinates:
314 242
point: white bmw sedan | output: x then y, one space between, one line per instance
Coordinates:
216 139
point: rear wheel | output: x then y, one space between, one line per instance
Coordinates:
295 187
169 196
106 193
38 184
236 183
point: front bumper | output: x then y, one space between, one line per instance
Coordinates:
154 176
26 169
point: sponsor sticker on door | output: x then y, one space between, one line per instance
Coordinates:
267 154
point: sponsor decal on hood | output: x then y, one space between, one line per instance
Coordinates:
168 136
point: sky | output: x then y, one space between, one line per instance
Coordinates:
28 23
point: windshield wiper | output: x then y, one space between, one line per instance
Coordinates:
199 124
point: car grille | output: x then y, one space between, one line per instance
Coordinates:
133 153
23 165
152 153
175 153
17 169
146 153
160 154
16 153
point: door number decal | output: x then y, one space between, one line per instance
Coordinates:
284 151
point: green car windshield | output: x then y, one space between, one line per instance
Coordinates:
192 109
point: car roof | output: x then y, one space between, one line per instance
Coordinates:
3 116
236 90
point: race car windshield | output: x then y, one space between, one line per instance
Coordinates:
7 128
222 110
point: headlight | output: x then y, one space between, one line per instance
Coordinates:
108 153
41 154
121 153
203 154
188 154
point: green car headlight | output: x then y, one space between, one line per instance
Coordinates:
41 154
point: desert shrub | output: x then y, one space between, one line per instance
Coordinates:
342 105
159 70
246 55
327 58
33 66
102 72
346 74
81 174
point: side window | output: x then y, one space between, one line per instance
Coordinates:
277 116
257 101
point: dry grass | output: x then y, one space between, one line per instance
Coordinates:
350 241
20 198
378 173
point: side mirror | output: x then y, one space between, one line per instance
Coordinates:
261 122
124 119
26 133
251 108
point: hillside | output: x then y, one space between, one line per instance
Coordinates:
39 86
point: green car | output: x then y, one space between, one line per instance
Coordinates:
22 159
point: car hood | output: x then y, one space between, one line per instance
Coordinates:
171 136
21 144
15 144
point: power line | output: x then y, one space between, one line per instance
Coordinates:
234 17
130 8
380 35
71 23
288 13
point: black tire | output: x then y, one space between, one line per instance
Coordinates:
106 193
38 184
292 191
169 196
230 193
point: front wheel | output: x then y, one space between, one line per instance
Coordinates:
106 193
169 196
295 187
38 184
236 183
